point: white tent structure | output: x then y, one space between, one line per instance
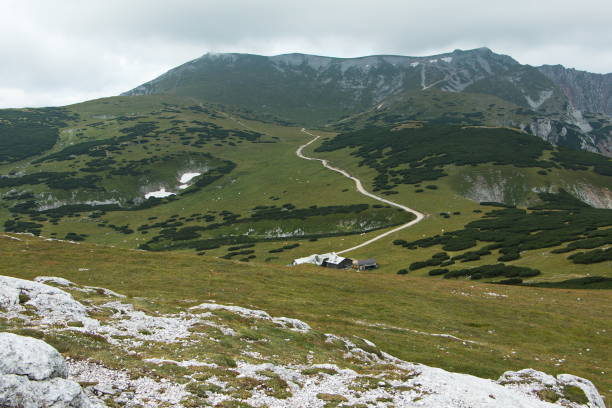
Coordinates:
317 259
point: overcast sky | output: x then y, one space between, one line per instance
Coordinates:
56 52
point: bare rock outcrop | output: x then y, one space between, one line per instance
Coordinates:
33 374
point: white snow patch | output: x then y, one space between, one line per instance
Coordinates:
448 60
161 193
187 177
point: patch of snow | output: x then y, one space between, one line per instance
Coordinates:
414 64
161 193
448 60
187 177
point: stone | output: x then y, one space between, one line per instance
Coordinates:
33 358
33 375
51 304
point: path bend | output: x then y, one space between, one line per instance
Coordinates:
419 216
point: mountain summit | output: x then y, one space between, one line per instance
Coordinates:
551 102
330 87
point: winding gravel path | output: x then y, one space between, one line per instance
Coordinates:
419 216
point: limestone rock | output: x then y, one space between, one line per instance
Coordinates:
33 374
51 304
33 358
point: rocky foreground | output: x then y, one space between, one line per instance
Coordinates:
120 353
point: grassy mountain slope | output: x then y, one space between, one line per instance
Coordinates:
256 200
436 106
513 327
483 109
398 163
91 185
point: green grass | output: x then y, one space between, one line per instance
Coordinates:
268 174
265 174
435 106
450 198
530 327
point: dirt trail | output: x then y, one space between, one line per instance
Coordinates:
363 191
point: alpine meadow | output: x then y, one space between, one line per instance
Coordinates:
307 231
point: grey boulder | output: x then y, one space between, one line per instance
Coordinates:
33 374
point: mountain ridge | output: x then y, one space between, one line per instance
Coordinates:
564 106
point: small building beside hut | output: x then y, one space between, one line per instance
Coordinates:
365 264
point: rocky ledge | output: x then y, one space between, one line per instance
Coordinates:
223 355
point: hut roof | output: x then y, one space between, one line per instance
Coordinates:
317 259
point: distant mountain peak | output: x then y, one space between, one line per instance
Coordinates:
316 90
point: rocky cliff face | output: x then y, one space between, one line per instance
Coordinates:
586 91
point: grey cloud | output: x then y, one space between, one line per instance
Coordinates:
68 51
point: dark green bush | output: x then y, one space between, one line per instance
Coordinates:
590 257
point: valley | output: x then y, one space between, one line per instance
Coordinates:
252 198
480 186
